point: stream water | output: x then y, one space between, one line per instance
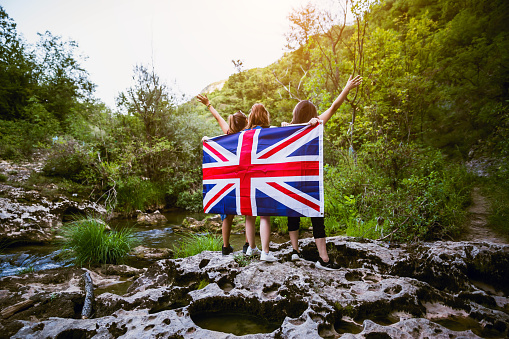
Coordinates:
31 258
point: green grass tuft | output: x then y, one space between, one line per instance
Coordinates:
243 260
203 283
89 242
197 243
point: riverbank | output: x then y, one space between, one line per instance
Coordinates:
439 290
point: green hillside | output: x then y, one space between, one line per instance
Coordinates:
434 98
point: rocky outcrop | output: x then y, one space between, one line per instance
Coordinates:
381 291
150 218
210 224
150 253
26 215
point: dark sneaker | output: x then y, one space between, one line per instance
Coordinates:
329 266
296 256
245 247
227 250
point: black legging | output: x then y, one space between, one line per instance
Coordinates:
317 222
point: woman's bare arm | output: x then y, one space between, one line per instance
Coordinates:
222 123
351 84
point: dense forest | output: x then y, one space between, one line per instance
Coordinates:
435 95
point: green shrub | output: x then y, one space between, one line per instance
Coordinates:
305 223
190 200
135 193
197 243
332 227
73 161
281 224
496 189
90 243
27 269
365 229
18 139
3 177
413 192
203 283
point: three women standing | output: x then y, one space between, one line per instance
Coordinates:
304 112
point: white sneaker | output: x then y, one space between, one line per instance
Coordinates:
268 257
252 251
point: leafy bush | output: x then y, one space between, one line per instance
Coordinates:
365 229
19 138
197 243
90 243
203 283
281 224
332 227
27 269
72 160
496 188
135 193
409 191
190 200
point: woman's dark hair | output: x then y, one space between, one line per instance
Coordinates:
259 116
303 112
237 122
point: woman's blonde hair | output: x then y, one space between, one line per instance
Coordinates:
237 122
303 112
259 116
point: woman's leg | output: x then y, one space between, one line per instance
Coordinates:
265 232
321 244
293 231
250 230
319 235
226 229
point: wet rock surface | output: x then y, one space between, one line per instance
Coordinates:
435 290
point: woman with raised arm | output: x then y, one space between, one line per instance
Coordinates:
259 118
236 123
304 112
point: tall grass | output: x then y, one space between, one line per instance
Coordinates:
197 243
90 242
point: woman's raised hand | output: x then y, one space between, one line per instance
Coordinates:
203 99
352 83
283 124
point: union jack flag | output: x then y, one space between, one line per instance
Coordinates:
265 171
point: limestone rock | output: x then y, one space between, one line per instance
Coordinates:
211 224
148 253
381 291
27 215
30 217
151 218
